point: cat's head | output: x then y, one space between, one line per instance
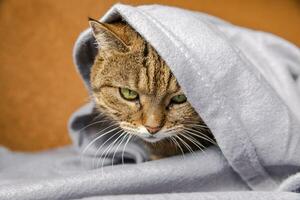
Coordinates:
133 85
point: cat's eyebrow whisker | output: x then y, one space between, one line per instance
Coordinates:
97 138
195 142
202 135
123 151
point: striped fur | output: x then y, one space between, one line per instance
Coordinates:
126 60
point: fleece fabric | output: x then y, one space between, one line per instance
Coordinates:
245 84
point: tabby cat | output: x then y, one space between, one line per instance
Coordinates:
133 86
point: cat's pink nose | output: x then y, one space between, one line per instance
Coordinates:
153 130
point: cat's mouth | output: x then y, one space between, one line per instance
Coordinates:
151 138
145 135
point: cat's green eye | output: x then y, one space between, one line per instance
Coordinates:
181 98
128 94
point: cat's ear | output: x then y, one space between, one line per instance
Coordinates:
107 38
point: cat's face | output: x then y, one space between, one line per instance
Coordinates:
134 86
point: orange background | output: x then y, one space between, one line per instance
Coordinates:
39 87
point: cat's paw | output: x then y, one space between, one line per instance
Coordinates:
155 157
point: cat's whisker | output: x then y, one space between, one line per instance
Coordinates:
100 158
185 144
199 143
171 139
100 115
192 128
190 136
97 138
196 124
122 158
195 121
123 151
200 135
171 130
195 142
125 135
91 124
95 157
178 145
107 150
131 129
103 120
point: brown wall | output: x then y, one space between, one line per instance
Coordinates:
39 87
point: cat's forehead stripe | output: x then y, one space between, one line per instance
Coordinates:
140 69
145 53
157 78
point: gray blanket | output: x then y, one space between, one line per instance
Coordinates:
244 83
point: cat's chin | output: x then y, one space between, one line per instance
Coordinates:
151 139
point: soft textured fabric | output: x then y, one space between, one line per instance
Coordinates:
243 83
206 196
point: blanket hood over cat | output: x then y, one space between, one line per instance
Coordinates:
245 84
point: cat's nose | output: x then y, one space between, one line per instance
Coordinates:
153 130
